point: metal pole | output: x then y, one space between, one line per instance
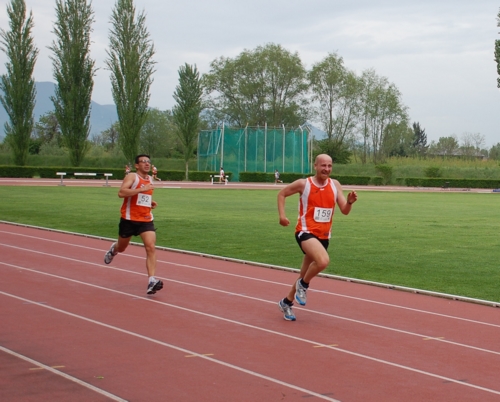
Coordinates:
283 161
265 147
301 149
222 147
246 146
256 148
310 152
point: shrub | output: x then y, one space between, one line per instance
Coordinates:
432 171
386 172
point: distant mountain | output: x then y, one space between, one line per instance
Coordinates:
316 132
101 116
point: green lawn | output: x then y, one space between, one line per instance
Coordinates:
445 242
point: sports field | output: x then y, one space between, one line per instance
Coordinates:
440 241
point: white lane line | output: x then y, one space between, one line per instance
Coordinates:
255 279
64 375
168 345
392 329
273 283
311 342
288 269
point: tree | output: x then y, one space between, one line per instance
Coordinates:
18 85
497 51
47 129
369 81
262 86
339 152
446 146
130 60
108 138
74 73
337 92
398 140
472 144
419 145
381 106
187 111
158 135
495 152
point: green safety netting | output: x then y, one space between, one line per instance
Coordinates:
254 149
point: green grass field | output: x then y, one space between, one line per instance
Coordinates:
444 242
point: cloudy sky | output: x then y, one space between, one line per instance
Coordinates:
438 53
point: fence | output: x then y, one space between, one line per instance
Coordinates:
255 149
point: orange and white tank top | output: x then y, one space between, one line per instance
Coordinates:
316 208
138 207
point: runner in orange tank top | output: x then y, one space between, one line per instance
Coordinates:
137 218
319 195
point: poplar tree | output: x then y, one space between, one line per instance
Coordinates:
130 60
186 112
18 84
419 146
74 73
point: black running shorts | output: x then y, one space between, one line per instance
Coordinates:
128 228
302 236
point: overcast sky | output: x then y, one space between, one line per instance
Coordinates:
438 53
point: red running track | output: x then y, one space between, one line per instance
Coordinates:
75 329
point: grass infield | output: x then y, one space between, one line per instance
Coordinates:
445 242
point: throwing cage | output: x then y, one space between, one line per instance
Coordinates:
255 149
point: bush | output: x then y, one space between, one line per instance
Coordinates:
377 181
386 172
432 171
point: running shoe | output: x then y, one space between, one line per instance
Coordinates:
300 293
108 257
287 310
153 287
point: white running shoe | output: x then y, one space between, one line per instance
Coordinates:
153 287
287 310
300 293
108 257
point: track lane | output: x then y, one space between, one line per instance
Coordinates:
259 311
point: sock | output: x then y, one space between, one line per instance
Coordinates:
152 279
306 285
287 302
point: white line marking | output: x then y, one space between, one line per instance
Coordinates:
314 343
61 374
277 283
168 345
276 267
253 279
249 278
332 293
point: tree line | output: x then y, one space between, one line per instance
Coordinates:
363 115
131 65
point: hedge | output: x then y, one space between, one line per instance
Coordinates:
50 172
258 177
455 183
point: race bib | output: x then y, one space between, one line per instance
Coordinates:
144 200
323 214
